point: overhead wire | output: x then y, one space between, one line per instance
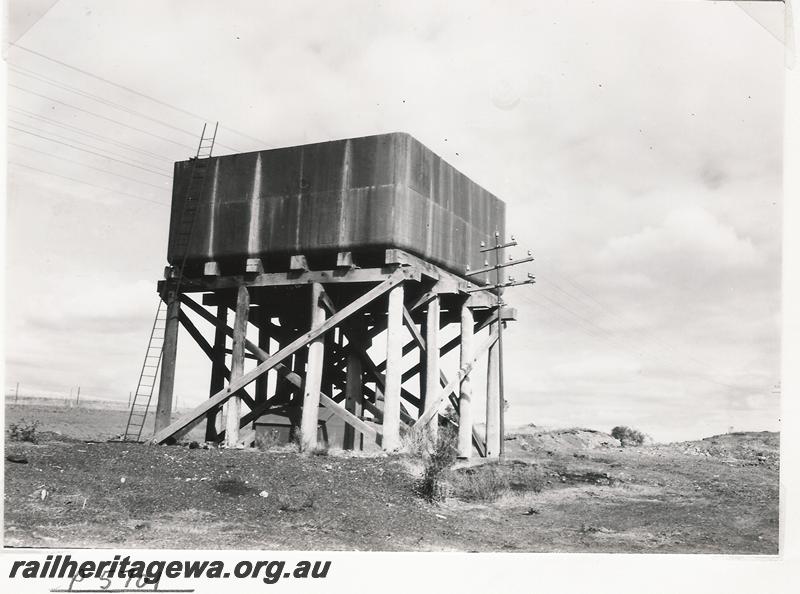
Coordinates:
102 117
80 181
600 333
49 81
643 342
72 139
139 93
101 155
83 132
60 158
82 143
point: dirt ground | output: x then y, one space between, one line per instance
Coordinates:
570 491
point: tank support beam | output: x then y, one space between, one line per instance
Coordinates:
313 380
431 365
234 405
168 357
394 360
354 401
218 371
465 393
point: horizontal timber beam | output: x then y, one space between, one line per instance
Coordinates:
299 277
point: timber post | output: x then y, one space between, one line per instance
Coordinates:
394 358
218 370
353 400
233 407
262 384
313 381
168 358
465 392
432 366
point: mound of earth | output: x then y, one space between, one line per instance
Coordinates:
750 448
549 440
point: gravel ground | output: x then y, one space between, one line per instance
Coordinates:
718 495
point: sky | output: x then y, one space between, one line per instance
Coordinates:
638 146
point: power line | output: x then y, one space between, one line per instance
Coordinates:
606 336
59 124
93 97
656 342
128 163
82 143
54 156
102 117
80 181
135 92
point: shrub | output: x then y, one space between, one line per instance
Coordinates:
418 442
441 457
628 436
23 431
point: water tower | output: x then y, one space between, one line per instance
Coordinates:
328 273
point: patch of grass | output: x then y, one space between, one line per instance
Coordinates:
233 487
481 483
23 431
488 482
267 440
320 450
295 502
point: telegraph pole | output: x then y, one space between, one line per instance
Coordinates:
497 288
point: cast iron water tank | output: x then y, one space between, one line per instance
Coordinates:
360 195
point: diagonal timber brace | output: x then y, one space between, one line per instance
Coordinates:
356 343
420 340
273 360
465 370
207 349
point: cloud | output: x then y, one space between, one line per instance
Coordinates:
690 240
111 309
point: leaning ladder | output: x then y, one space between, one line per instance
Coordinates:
145 388
147 377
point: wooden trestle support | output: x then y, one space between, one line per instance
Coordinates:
323 324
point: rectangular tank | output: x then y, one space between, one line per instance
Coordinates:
357 195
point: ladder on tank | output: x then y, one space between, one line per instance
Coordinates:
137 416
194 192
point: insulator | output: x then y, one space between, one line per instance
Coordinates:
483 244
530 253
497 234
512 238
